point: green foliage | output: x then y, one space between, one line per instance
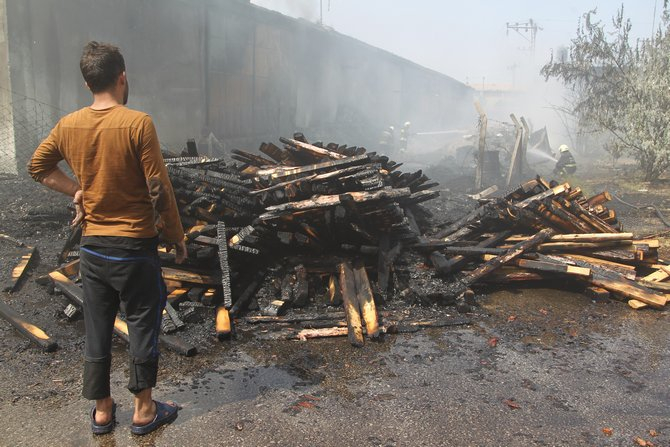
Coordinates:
621 87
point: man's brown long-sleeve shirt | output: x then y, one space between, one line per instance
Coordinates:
115 155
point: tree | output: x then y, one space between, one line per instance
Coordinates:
621 87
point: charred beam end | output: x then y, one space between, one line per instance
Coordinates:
223 325
19 272
28 330
351 307
366 300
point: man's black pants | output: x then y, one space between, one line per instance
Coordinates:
131 280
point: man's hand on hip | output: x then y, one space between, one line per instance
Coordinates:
78 202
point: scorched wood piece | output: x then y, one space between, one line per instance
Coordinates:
19 272
312 150
279 172
366 300
28 330
499 261
275 211
351 306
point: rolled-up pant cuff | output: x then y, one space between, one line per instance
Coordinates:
96 378
143 373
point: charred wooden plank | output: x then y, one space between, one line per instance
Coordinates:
627 271
585 237
404 326
223 325
312 150
259 319
279 172
190 277
553 267
351 307
366 300
27 329
655 285
19 272
275 211
631 290
512 253
618 284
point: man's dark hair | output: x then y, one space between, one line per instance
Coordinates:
101 64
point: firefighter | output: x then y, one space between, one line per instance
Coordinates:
566 164
387 140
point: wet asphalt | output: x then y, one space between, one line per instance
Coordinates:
536 367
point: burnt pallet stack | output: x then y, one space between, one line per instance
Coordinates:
333 217
543 231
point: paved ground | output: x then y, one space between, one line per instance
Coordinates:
536 367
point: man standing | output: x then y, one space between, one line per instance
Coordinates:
124 201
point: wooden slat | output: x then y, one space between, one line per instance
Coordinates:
173 274
18 272
223 324
348 286
579 237
366 301
27 329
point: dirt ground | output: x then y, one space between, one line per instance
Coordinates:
537 365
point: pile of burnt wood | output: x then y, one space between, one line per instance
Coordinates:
543 231
312 223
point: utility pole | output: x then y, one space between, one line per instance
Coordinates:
529 26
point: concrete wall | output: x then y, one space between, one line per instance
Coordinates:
8 163
244 73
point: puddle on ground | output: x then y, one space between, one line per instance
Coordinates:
232 382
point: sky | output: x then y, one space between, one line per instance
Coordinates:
468 39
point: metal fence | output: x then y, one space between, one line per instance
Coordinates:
26 207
